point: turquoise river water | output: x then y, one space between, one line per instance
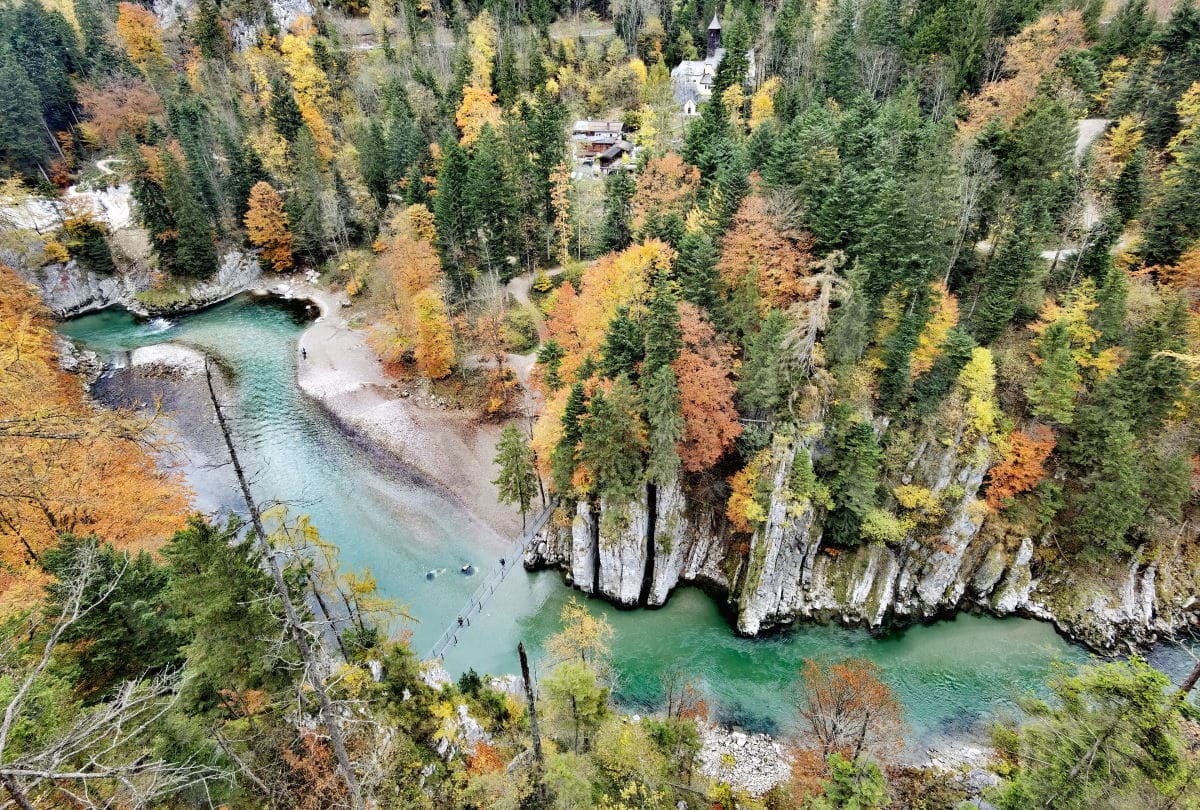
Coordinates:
952 676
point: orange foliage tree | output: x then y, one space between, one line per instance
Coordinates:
1183 276
706 389
846 708
1022 468
1030 55
66 467
267 227
778 254
578 321
478 109
121 106
666 186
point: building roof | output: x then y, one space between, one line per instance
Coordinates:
616 149
715 25
615 127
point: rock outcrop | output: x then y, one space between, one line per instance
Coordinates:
70 289
788 574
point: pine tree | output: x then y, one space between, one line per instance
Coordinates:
1052 392
613 442
517 481
660 399
624 345
931 387
245 169
616 233
762 386
1129 189
1174 223
195 252
563 460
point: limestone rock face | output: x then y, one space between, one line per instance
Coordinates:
636 553
69 289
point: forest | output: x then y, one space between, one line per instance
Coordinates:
901 319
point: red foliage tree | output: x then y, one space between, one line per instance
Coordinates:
706 389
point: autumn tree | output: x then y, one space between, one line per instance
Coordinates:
139 32
267 228
1022 467
434 351
705 392
666 187
121 106
778 255
847 709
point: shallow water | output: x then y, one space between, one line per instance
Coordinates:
952 676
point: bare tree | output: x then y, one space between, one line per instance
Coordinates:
101 759
977 174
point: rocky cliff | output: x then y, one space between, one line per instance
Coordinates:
70 289
635 553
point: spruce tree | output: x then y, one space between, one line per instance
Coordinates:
696 269
1173 224
1052 392
449 214
22 142
852 470
1129 189
245 169
615 232
195 242
285 113
517 482
663 338
762 386
488 204
563 461
660 398
612 443
624 345
933 385
550 357
1010 268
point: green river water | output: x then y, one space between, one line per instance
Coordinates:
952 676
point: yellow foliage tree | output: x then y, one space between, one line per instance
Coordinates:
560 203
139 32
943 319
66 467
1123 139
481 33
434 351
311 85
267 227
762 103
478 109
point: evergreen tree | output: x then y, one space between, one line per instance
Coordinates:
563 461
550 357
696 269
1129 189
1009 269
228 603
373 162
1152 378
613 442
449 214
245 168
762 386
1052 392
517 481
852 470
152 206
22 142
195 252
624 345
285 113
660 397
615 233
1174 223
931 387
663 338
488 204
130 634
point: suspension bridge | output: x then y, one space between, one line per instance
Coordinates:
510 559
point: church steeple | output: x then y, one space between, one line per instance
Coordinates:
714 36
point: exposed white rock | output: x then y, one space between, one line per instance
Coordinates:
754 763
622 550
169 357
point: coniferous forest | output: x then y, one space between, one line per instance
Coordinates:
861 312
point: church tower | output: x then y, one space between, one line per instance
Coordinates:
714 36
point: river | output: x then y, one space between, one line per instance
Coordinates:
952 676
